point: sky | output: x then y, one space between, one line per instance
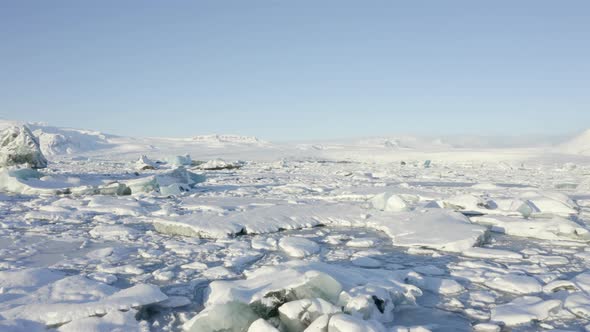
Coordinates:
300 69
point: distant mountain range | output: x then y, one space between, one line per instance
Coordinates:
57 141
66 141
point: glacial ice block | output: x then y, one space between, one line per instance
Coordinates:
18 146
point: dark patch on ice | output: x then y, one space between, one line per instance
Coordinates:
379 303
269 307
471 213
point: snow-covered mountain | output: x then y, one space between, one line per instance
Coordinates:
229 139
56 142
405 142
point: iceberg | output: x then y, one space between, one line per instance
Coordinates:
304 295
19 147
182 160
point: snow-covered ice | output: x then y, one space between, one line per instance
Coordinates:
298 247
523 310
234 233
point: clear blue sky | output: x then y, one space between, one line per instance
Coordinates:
298 69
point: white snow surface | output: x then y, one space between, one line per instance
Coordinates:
233 233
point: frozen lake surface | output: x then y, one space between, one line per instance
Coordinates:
331 238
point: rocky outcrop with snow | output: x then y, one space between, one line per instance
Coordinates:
19 147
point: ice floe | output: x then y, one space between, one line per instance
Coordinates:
555 228
524 310
431 228
76 297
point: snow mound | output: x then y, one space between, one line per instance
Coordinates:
516 284
18 146
523 310
29 181
389 202
298 247
74 298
